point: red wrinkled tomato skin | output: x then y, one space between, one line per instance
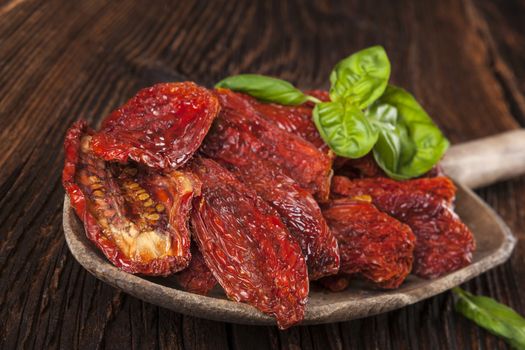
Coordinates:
161 127
444 243
247 247
440 187
298 210
197 277
136 217
371 243
239 133
293 119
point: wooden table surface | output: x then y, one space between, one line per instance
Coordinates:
63 60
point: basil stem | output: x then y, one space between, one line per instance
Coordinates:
497 318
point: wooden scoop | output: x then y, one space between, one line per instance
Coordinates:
471 164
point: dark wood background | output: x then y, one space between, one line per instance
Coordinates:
62 60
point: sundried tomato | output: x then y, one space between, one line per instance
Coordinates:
247 247
135 216
371 243
294 119
239 132
441 187
444 243
197 277
162 126
298 210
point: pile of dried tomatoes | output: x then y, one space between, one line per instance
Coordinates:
217 187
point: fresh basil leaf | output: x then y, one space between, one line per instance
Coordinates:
411 144
344 127
361 77
266 89
493 316
393 143
385 118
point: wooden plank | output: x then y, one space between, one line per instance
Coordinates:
61 60
502 26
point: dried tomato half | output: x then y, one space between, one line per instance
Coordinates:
444 243
371 243
238 132
134 215
298 210
247 247
161 127
197 277
294 119
441 187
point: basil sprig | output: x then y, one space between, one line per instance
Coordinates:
365 113
266 89
493 316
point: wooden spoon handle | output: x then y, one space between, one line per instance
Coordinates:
485 161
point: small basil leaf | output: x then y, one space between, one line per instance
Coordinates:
389 145
361 77
413 144
265 88
344 127
493 316
393 144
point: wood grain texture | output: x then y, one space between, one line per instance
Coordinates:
62 60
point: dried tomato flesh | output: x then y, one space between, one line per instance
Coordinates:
135 216
444 244
247 247
298 210
294 119
161 127
371 243
238 132
197 277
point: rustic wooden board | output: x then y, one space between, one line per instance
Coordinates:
62 60
494 243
